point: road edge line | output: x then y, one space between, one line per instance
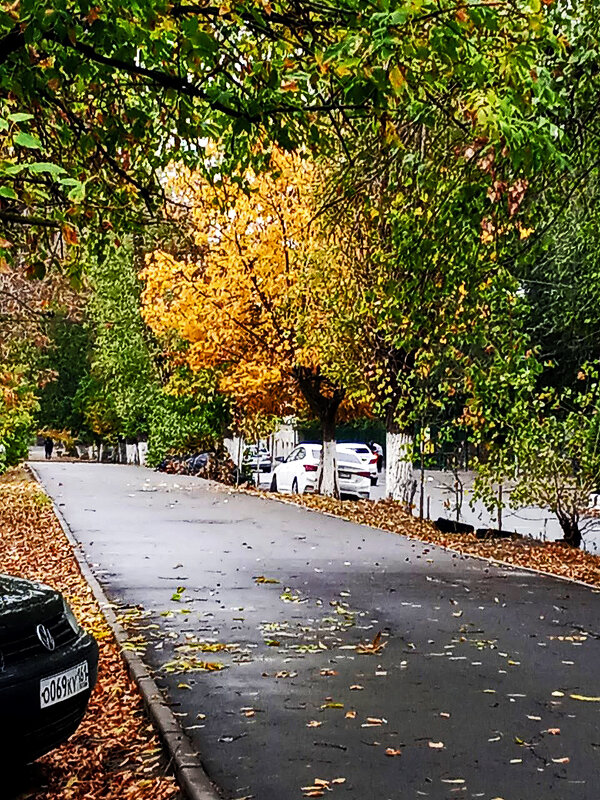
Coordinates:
191 776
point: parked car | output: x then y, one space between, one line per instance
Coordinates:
257 459
48 668
365 455
299 472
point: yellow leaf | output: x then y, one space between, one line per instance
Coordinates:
397 78
584 697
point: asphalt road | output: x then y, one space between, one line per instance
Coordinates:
472 689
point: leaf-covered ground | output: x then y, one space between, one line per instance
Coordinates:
552 557
115 754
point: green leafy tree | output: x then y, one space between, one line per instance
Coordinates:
549 455
98 100
65 363
17 415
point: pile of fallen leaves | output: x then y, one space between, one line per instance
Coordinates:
553 557
115 754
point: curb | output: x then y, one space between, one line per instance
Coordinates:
193 780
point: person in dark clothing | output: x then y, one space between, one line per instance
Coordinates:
48 447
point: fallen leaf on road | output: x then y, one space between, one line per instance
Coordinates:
391 752
313 724
583 697
553 731
350 715
453 780
328 673
558 694
356 687
444 714
370 648
435 745
564 760
262 579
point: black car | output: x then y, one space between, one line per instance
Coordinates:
48 668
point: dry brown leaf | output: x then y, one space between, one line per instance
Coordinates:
391 752
34 546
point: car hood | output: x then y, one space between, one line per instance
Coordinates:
22 600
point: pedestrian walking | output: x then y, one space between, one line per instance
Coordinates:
378 450
48 447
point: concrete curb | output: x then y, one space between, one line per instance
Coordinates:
193 780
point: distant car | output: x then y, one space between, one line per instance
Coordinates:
364 453
299 472
48 668
257 459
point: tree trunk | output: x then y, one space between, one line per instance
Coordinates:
328 483
399 470
570 529
324 405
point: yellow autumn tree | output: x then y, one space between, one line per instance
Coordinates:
242 305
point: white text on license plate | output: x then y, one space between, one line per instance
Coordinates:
64 685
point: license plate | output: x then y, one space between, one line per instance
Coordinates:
64 685
344 474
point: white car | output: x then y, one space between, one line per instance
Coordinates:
299 472
257 459
365 455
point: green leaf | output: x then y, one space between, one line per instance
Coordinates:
26 140
8 191
19 117
46 166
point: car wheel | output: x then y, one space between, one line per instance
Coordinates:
273 487
295 486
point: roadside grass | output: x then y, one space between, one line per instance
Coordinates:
115 754
550 557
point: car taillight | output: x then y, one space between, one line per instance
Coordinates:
310 467
373 460
364 474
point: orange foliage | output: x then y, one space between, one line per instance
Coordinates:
241 308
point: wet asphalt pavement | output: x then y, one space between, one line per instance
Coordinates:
472 688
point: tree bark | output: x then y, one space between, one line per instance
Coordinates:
324 401
328 483
399 469
570 529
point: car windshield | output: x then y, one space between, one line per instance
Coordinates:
316 454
